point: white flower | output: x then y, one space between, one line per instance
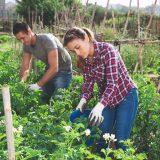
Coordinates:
15 130
2 122
67 128
20 128
152 135
112 136
66 156
106 136
114 140
87 132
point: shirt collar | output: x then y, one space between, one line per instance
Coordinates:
96 52
96 49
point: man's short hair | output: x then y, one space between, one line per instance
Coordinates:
20 27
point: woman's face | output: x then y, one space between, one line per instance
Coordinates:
80 47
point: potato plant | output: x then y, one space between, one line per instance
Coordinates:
44 132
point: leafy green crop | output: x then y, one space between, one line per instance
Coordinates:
43 132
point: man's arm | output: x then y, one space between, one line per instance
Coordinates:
26 60
53 67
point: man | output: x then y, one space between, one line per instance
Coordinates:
49 50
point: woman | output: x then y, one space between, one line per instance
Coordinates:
118 98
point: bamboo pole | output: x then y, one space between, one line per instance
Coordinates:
141 46
11 21
8 120
36 16
114 23
42 14
76 15
79 17
66 17
134 41
85 11
32 19
71 14
138 20
126 24
29 15
93 14
105 14
150 20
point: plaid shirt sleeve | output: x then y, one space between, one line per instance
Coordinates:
111 59
88 86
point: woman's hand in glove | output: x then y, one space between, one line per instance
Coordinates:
95 116
81 105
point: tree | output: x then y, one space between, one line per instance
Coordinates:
28 8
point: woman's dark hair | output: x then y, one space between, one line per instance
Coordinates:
77 33
20 27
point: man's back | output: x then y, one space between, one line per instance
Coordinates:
44 44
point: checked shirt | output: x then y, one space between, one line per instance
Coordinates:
109 72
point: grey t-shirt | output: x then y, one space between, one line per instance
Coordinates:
44 44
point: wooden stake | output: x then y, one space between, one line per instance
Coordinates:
126 24
29 15
105 14
8 122
141 46
93 14
114 23
85 11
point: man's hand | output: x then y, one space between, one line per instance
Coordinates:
81 105
33 87
26 61
95 116
23 74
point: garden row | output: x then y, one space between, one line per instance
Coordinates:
44 132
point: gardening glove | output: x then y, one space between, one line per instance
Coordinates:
95 116
33 87
81 105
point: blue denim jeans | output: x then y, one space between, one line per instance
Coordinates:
61 80
118 120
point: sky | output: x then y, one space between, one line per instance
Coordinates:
142 3
103 3
9 1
